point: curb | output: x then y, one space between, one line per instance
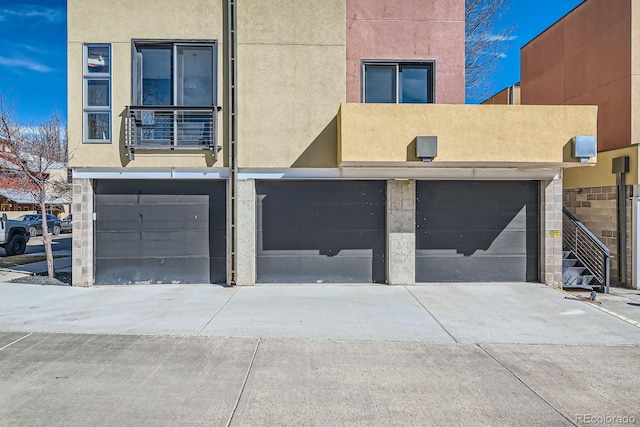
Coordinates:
612 313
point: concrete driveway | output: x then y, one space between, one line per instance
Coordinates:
472 313
456 354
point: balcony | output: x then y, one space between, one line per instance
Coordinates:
470 138
164 128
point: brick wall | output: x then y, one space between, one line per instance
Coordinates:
596 208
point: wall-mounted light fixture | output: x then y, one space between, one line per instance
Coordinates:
584 147
426 147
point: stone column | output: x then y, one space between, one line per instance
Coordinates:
551 231
246 233
401 237
82 251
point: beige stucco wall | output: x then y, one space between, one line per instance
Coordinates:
291 81
117 22
600 175
635 72
466 133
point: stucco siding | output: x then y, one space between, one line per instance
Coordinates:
411 30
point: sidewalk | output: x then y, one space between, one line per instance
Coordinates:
316 355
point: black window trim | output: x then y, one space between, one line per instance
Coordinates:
135 43
397 62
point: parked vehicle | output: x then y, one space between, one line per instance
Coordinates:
34 224
14 236
66 225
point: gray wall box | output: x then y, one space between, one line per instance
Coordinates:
584 147
426 147
620 165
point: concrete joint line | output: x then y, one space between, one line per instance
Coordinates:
215 314
525 384
19 339
244 383
430 314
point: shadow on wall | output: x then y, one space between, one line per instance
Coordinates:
411 151
323 150
124 154
327 230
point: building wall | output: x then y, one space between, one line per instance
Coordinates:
585 58
117 22
600 175
291 82
635 71
596 208
492 133
408 30
507 96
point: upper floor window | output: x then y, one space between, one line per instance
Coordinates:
174 99
398 82
174 73
97 92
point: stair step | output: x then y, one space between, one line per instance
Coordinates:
585 280
570 274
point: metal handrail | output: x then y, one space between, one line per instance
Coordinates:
173 127
593 254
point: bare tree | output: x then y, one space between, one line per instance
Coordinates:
487 39
33 151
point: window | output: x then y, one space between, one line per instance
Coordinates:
402 82
97 93
172 73
174 94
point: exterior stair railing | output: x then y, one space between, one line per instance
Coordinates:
587 248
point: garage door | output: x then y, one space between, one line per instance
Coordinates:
325 231
476 231
160 232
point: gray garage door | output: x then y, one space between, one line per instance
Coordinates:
476 231
325 231
160 231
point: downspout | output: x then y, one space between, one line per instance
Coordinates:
232 134
620 166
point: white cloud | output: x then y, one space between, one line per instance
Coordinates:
25 63
499 38
32 13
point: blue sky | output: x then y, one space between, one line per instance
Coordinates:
33 59
33 50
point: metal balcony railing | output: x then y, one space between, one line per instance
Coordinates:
593 254
172 128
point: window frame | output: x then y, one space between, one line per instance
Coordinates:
87 109
137 72
398 64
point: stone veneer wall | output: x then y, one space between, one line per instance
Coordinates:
551 220
82 251
596 209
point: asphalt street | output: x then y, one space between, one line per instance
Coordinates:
455 354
